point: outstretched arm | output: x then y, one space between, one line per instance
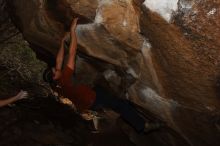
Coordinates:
59 59
21 95
73 45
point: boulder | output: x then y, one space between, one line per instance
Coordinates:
164 54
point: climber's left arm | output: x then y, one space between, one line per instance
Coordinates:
59 59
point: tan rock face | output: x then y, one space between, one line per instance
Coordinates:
187 73
170 69
122 20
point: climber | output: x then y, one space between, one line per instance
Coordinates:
86 98
21 95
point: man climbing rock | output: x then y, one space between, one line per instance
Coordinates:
86 98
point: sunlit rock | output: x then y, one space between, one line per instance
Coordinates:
163 7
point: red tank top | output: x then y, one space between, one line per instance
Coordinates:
81 95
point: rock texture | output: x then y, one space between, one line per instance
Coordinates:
168 66
19 67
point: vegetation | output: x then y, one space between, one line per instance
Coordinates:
19 67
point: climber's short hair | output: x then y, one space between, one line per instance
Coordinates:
48 76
